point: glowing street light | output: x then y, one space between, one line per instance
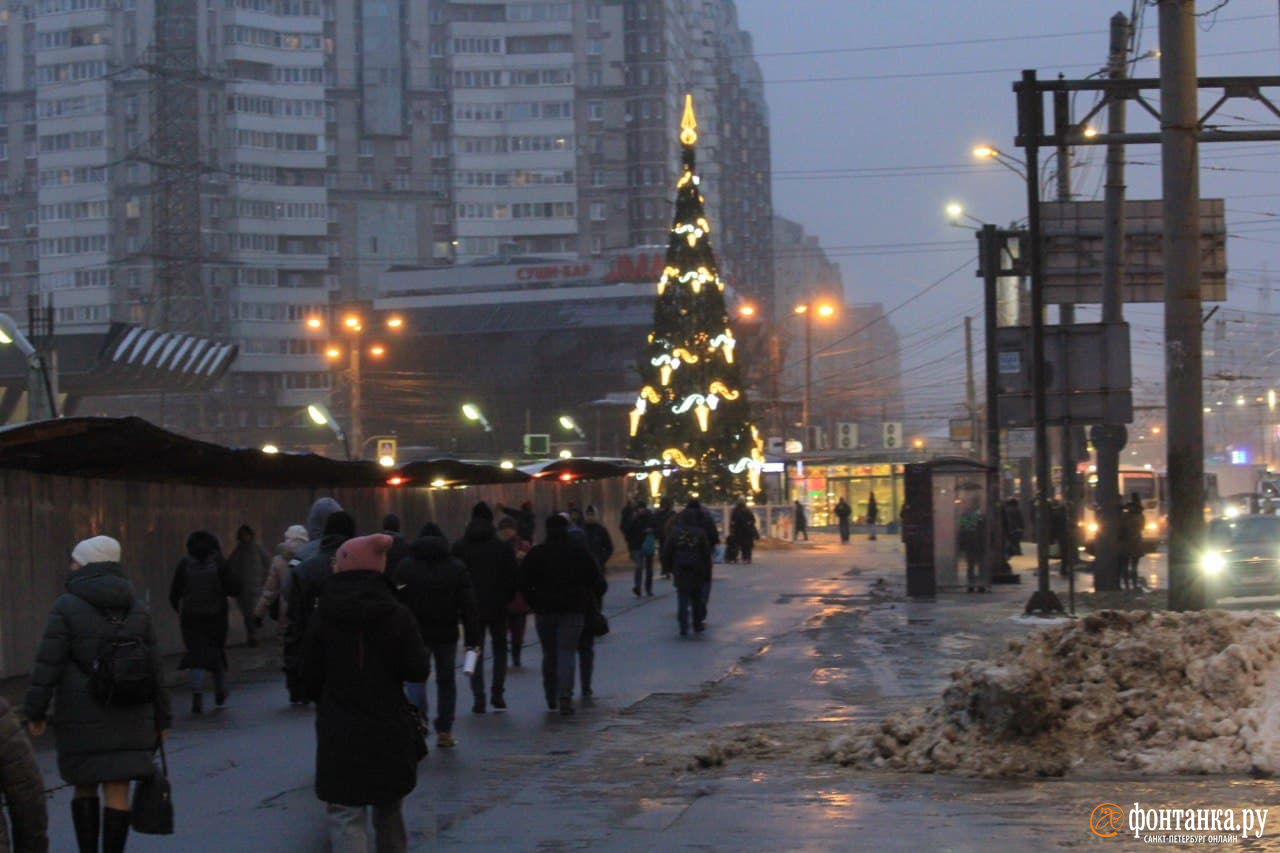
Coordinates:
321 416
1013 164
471 413
566 454
270 449
569 423
824 310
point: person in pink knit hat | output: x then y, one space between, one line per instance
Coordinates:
360 648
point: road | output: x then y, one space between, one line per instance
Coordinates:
706 743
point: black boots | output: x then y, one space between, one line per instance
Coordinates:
84 816
115 830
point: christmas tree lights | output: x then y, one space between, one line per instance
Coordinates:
691 419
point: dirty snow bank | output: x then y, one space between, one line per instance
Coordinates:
1117 691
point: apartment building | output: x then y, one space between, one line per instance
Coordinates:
335 139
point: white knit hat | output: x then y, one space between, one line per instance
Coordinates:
98 549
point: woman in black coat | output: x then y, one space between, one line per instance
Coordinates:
361 647
202 582
97 744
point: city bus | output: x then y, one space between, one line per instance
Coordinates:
1152 489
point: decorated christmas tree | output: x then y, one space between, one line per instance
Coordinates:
691 422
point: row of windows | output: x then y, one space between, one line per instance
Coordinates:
281 346
297 74
540 12
74 37
505 144
519 111
280 210
541 44
62 72
476 44
84 314
72 140
252 242
258 37
81 105
69 279
54 7
277 7
307 380
523 210
284 107
254 276
243 138
274 312
512 177
69 210
72 176
51 247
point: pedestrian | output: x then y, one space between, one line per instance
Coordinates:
526 521
98 744
801 525
302 591
27 830
661 523
518 610
873 515
971 543
271 601
599 545
316 518
691 551
202 582
492 564
361 647
248 564
559 579
1013 528
642 542
742 529
843 513
436 587
399 547
1133 522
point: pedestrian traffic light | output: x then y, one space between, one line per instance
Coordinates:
892 435
387 452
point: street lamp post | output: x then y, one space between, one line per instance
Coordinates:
822 310
353 325
42 394
321 416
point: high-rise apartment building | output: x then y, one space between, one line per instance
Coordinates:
334 139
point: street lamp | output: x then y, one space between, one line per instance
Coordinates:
472 413
353 323
1013 164
824 310
321 416
569 423
43 403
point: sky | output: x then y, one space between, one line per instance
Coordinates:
875 108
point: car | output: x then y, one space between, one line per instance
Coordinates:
1243 556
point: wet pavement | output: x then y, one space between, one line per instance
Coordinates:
713 743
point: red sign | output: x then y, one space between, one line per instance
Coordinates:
548 273
639 267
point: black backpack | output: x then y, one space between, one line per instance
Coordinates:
687 553
122 673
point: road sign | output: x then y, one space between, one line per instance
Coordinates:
846 435
387 449
891 435
537 444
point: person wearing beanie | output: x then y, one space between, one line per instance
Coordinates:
561 582
526 521
661 523
492 564
249 563
360 648
303 589
436 587
518 610
97 744
642 541
690 551
202 582
270 602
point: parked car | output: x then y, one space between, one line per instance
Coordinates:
1243 556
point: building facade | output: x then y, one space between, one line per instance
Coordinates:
335 139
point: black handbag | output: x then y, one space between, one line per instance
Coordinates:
597 622
418 730
152 805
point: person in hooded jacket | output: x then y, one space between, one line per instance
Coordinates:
303 590
202 582
518 609
559 581
436 587
690 553
526 521
27 830
249 563
316 518
599 544
96 744
492 564
360 648
272 600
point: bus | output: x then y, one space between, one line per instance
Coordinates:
1152 489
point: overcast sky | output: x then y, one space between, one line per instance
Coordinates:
869 145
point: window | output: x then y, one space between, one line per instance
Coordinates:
403 148
599 211
595 110
366 147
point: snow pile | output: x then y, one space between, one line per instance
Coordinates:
1117 691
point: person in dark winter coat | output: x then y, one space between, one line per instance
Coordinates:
518 609
873 514
1133 522
23 789
361 647
661 523
317 517
97 744
436 587
843 513
599 544
559 582
302 591
642 542
248 564
690 554
526 521
202 582
399 545
801 526
971 542
742 530
492 564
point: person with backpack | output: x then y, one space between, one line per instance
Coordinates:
492 564
249 563
271 601
302 590
436 587
99 664
971 543
360 648
642 542
202 582
691 551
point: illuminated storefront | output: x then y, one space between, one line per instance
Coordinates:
819 484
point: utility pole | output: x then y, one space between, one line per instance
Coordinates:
1066 317
971 393
1109 439
356 413
808 374
1184 396
991 260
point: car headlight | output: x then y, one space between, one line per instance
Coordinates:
1093 527
1213 563
1231 511
1152 526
